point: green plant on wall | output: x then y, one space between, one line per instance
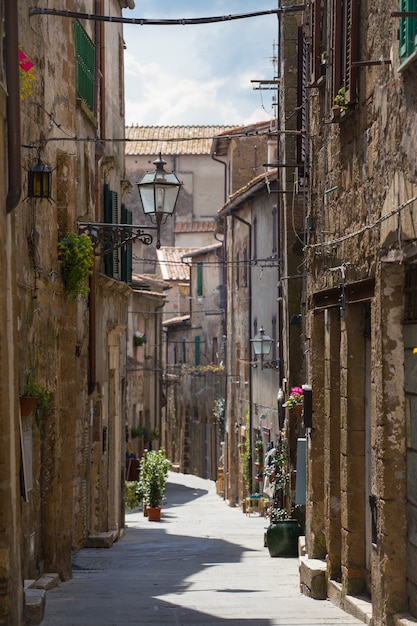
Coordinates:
43 398
219 414
77 260
340 99
246 458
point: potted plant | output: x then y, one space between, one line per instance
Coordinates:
153 480
35 398
139 338
339 103
295 398
283 530
282 533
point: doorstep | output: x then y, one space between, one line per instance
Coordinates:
102 540
358 606
35 597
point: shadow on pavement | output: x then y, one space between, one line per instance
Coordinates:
150 576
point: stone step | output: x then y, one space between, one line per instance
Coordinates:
46 581
102 540
34 605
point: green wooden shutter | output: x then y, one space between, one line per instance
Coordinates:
197 351
126 253
199 279
85 65
107 212
408 29
111 211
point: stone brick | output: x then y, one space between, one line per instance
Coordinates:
313 578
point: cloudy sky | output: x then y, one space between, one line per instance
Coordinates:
199 74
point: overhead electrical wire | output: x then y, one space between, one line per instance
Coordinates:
141 21
363 229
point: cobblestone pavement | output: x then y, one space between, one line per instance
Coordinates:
204 563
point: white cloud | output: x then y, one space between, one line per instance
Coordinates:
198 74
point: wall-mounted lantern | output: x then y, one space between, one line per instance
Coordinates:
158 192
262 346
39 181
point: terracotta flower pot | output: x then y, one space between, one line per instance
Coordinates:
27 405
154 513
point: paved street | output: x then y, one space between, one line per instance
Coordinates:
204 563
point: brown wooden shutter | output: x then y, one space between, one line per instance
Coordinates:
351 50
338 46
301 99
316 42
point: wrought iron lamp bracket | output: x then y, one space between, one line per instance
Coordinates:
107 238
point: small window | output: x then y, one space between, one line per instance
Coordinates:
85 66
408 30
111 213
410 291
126 251
199 279
345 49
197 349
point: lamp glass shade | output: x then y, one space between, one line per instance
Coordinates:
262 343
39 181
159 191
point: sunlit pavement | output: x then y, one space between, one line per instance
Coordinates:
204 563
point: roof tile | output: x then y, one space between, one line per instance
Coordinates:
152 140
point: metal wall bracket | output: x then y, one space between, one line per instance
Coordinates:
106 238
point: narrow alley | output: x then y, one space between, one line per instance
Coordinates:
204 563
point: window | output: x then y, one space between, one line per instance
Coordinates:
126 252
345 48
111 213
199 280
245 267
408 30
302 101
85 63
197 351
317 41
274 231
410 290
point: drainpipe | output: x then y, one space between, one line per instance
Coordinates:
157 360
224 163
13 106
99 152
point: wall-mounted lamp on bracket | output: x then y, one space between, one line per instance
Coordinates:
262 346
158 192
40 181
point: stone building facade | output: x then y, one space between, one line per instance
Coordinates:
194 353
360 315
62 471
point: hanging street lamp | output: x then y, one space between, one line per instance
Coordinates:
158 192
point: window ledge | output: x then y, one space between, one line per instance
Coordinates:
409 61
82 105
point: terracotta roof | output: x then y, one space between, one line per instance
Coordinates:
195 227
206 249
253 186
180 319
171 265
221 143
151 140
